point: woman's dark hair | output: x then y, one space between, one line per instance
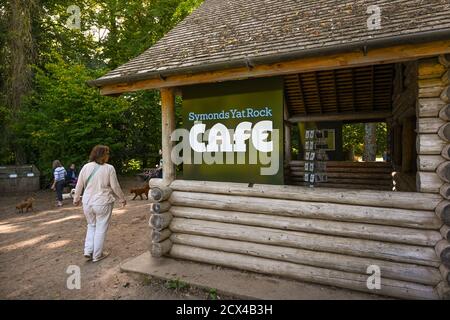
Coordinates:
99 154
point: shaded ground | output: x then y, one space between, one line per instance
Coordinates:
36 248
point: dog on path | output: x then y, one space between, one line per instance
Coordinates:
140 191
26 204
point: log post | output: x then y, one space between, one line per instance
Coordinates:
160 221
443 211
443 251
168 126
161 248
408 145
159 207
443 171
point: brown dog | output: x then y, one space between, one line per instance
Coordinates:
26 204
139 191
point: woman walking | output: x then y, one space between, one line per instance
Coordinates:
98 179
59 178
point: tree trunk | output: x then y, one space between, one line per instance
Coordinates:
370 142
20 57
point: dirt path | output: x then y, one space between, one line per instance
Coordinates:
36 249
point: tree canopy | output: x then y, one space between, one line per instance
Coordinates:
47 111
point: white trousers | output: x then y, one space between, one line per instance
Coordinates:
98 218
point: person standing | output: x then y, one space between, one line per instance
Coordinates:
71 177
59 178
101 188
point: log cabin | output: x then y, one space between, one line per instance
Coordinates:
321 65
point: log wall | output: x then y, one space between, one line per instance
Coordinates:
326 236
348 175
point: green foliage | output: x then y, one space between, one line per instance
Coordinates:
353 138
176 284
212 294
62 118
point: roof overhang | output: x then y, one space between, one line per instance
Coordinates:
373 51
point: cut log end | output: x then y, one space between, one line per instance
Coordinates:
443 252
445 191
443 211
443 171
444 132
160 193
443 290
160 249
446 152
445 95
444 114
160 207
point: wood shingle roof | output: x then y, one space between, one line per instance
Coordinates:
221 32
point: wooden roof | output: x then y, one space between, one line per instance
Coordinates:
341 91
222 32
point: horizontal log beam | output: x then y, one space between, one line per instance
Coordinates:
346 229
399 200
399 289
428 182
429 144
429 125
390 270
429 107
430 68
355 247
429 163
382 115
326 62
314 210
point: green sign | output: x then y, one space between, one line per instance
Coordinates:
235 131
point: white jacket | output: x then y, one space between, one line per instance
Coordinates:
102 189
